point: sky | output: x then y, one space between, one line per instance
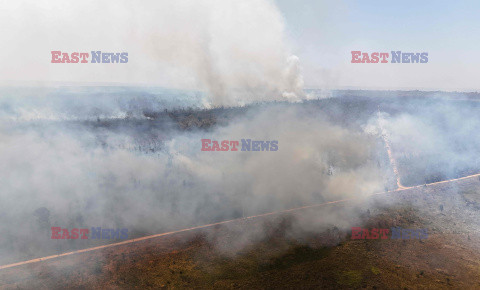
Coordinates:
219 47
324 33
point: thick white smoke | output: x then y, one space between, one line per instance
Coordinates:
83 183
234 50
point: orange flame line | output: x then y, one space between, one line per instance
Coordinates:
224 222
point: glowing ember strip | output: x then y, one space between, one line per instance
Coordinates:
389 152
224 222
392 161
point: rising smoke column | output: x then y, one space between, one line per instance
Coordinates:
235 51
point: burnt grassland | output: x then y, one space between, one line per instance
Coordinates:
329 259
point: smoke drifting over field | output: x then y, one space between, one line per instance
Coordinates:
89 175
235 51
121 164
434 140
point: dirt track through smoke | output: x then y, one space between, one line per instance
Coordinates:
131 241
229 221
